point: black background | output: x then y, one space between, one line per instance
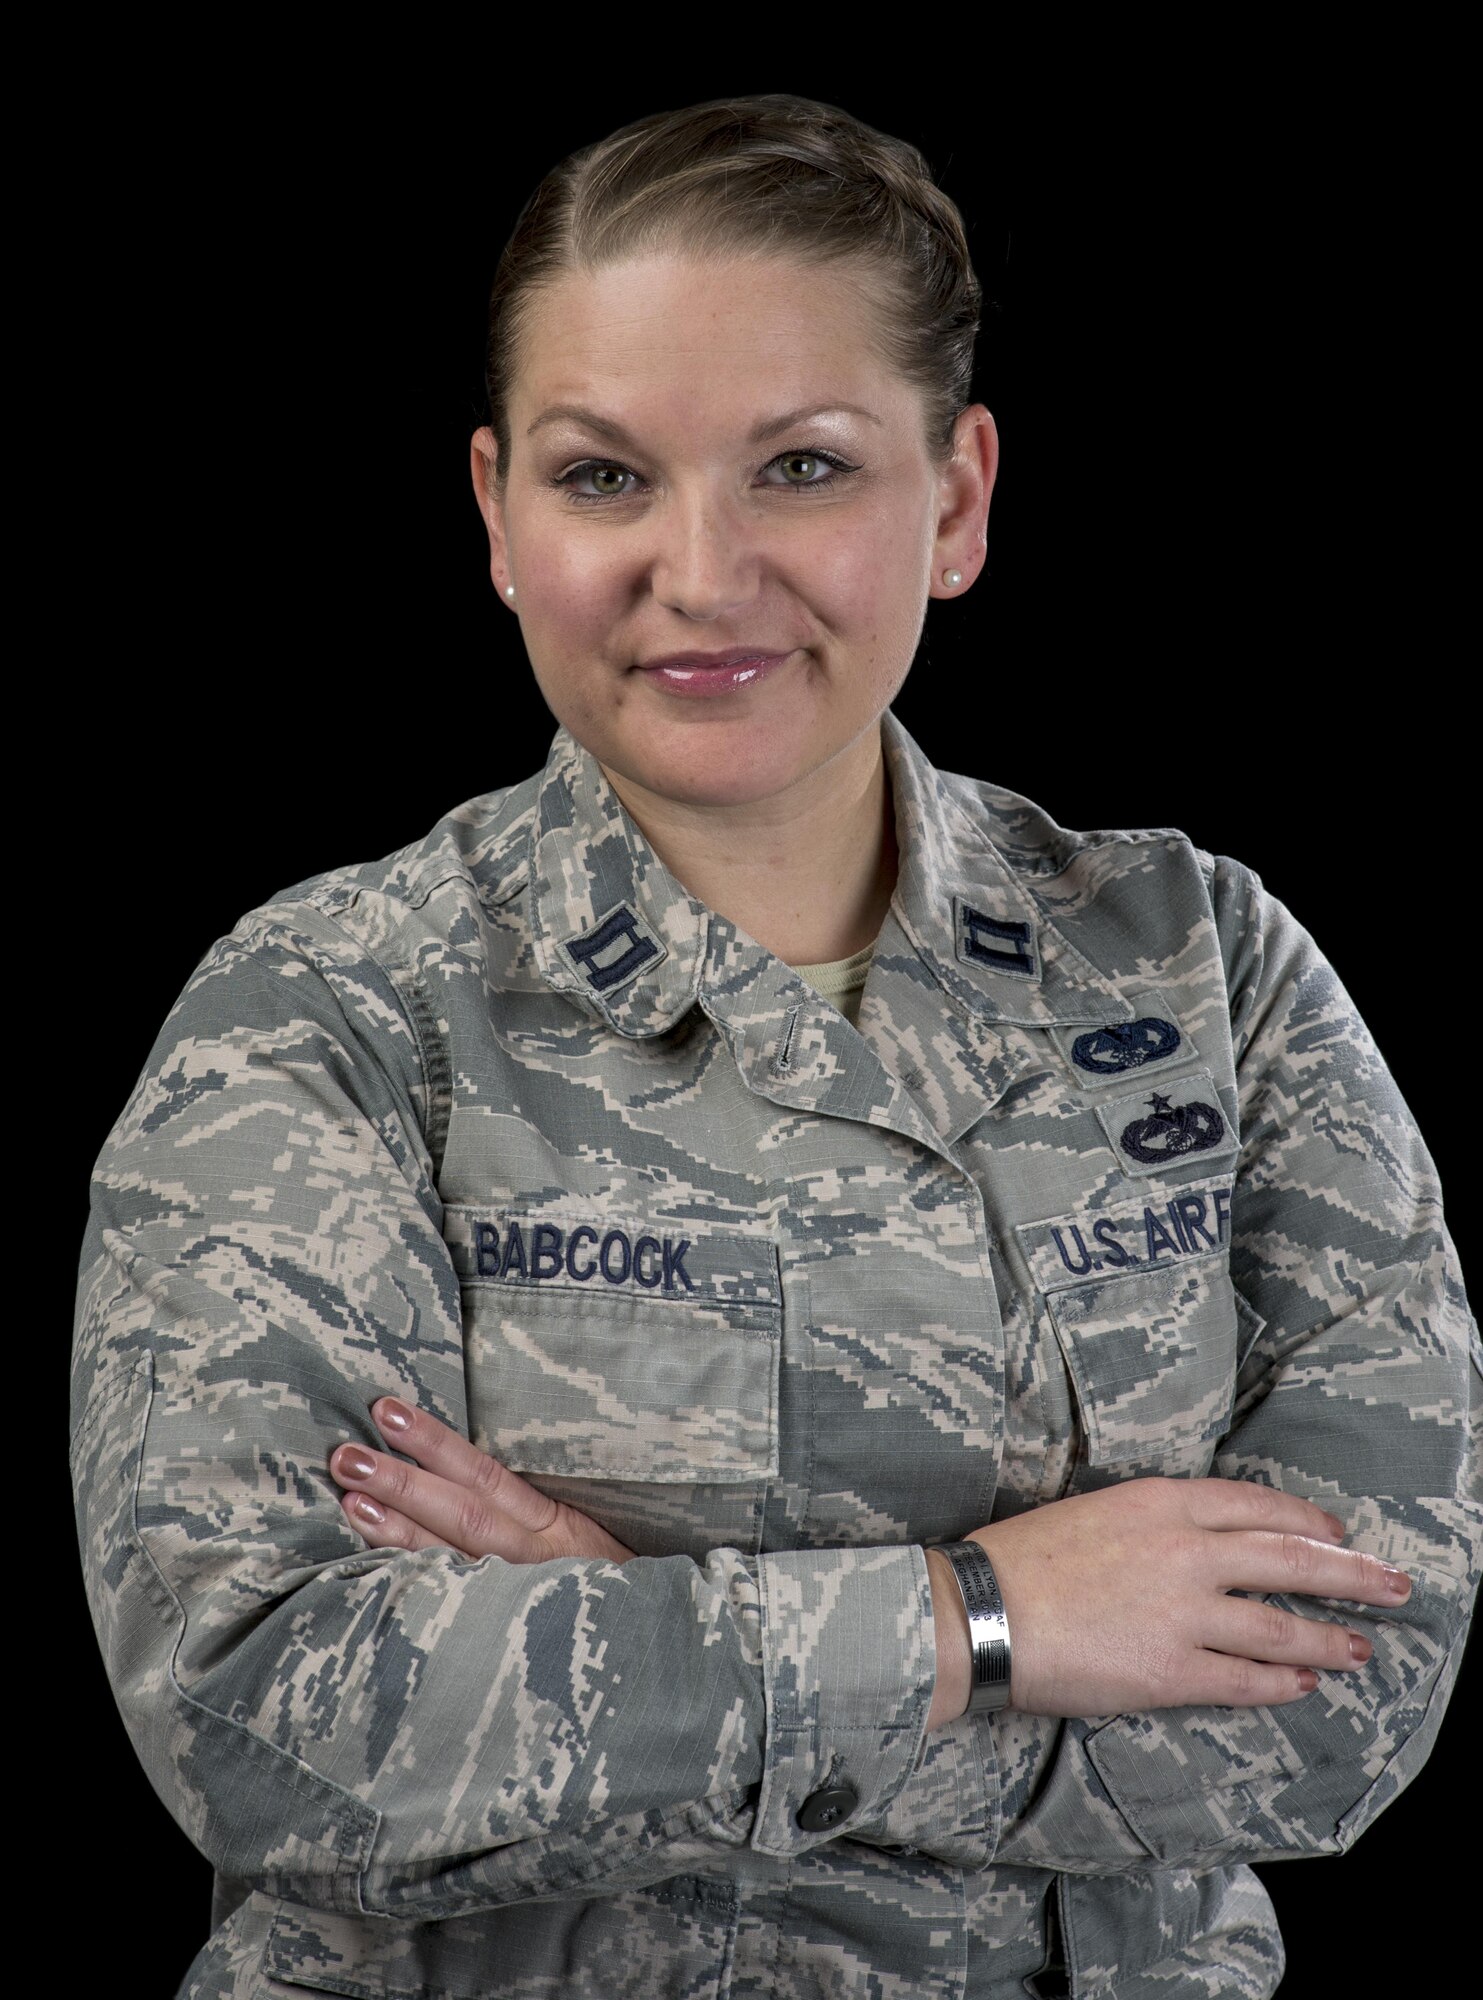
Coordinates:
1215 346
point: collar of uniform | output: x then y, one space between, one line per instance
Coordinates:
609 923
611 926
985 937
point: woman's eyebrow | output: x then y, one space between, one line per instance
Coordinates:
769 427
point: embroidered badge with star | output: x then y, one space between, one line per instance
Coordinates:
1158 1129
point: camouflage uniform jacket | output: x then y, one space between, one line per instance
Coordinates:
1111 1180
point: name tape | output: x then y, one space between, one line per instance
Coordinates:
580 1254
728 1267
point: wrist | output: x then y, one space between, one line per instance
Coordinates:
954 1648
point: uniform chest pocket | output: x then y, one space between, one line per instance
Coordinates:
630 1367
1152 1356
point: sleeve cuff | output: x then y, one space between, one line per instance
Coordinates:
849 1660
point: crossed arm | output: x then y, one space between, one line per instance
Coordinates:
1118 1600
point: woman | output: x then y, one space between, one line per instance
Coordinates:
560 1299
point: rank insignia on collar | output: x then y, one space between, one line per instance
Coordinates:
1001 943
617 947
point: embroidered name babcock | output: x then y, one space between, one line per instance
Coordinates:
1061 1250
583 1253
734 1270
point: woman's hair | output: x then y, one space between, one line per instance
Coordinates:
761 175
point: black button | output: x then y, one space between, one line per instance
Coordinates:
821 1810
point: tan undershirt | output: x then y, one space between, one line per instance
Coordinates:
841 981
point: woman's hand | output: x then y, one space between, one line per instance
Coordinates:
455 1497
1118 1600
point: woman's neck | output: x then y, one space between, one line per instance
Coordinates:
809 874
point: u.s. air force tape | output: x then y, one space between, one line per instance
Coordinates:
1121 1235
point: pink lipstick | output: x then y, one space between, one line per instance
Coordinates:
712 673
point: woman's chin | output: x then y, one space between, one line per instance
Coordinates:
720 766
709 787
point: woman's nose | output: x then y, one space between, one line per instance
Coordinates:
704 564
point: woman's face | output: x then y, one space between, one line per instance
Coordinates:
659 504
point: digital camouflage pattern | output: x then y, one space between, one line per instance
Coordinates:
1110 1181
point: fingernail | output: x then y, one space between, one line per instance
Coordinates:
1336 1527
357 1464
395 1416
368 1509
1359 1647
1396 1581
1307 1679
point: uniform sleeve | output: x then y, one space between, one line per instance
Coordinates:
410 1734
1359 1389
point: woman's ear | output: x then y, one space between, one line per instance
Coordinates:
965 489
483 457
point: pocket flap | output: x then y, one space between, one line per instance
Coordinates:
1152 1354
629 1352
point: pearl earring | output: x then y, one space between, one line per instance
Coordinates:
952 578
509 590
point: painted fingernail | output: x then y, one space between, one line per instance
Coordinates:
369 1510
1307 1679
395 1416
1336 1527
356 1464
1396 1581
1359 1647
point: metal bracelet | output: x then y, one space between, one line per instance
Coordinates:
988 1628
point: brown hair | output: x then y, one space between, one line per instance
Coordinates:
760 175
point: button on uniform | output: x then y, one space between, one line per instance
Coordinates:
821 1810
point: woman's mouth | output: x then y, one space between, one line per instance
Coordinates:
711 674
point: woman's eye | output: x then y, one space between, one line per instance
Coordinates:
810 463
800 469
600 473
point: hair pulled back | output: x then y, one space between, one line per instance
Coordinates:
771 174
